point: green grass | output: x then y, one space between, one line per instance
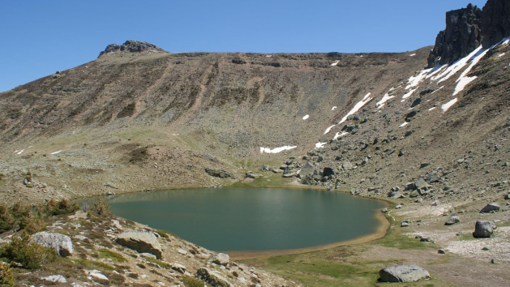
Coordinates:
93 264
158 262
114 256
275 181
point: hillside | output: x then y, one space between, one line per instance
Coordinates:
426 129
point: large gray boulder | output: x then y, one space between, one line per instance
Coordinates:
484 229
220 259
61 243
454 218
403 273
212 278
141 241
218 173
493 206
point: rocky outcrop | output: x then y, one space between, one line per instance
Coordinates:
403 273
495 22
218 173
212 278
484 229
220 259
62 244
491 207
454 218
143 242
133 47
461 36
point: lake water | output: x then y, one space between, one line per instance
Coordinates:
252 219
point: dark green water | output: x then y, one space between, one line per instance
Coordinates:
252 219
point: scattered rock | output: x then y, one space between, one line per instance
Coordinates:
384 210
96 274
178 267
403 273
55 279
454 218
141 241
220 259
218 173
404 224
62 244
251 174
491 207
212 277
484 229
441 251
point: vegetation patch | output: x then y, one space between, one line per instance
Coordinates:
31 256
192 282
114 256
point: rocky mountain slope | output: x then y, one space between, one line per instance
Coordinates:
427 129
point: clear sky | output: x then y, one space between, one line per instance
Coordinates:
40 37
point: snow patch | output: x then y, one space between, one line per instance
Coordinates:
457 66
356 107
56 152
464 80
384 99
19 152
339 135
404 124
306 117
431 109
320 145
335 63
412 55
333 108
448 105
462 83
437 90
501 55
276 150
407 95
415 81
329 129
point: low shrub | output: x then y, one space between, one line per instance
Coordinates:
29 255
192 282
6 277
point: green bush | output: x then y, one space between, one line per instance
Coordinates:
192 282
100 209
29 255
6 218
62 207
6 277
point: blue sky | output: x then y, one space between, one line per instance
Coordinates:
41 37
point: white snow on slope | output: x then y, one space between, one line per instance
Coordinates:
335 63
56 152
276 150
320 145
356 107
19 152
407 95
415 81
412 55
501 55
306 117
329 129
431 109
333 108
384 99
404 124
464 80
448 105
455 67
339 135
462 83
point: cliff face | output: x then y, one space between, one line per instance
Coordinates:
461 36
467 28
495 22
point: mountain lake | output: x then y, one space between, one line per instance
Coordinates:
237 219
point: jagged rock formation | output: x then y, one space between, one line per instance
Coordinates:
461 36
468 28
134 47
495 22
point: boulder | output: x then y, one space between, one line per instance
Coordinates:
484 229
454 218
212 278
218 173
62 244
220 259
141 241
493 206
306 170
251 174
403 273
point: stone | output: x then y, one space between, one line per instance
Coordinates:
55 279
212 278
493 206
507 196
384 210
141 241
461 36
484 229
290 174
454 218
441 251
220 259
347 165
421 184
495 23
132 46
404 224
403 273
218 173
178 267
251 174
61 243
398 206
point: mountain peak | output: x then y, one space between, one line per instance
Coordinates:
132 46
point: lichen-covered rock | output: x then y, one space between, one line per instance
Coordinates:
403 273
61 243
141 241
212 278
454 218
218 173
220 258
